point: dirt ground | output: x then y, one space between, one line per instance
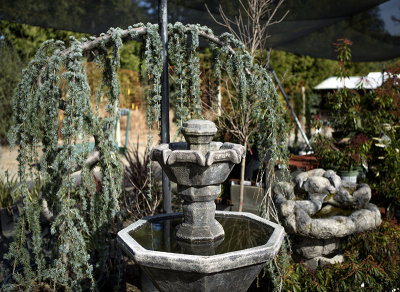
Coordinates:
8 161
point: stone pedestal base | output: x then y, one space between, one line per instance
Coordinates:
317 252
199 223
203 248
198 234
323 261
308 248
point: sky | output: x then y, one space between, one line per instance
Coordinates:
387 11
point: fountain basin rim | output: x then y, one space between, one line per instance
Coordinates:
197 263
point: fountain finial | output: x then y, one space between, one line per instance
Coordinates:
199 134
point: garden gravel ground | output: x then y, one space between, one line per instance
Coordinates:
8 160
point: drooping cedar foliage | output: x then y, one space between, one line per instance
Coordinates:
81 209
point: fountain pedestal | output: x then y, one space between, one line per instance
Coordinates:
199 215
198 168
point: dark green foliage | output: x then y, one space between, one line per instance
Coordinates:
80 15
381 123
345 103
370 120
384 164
346 120
293 69
383 245
325 150
130 55
339 156
27 39
11 66
371 264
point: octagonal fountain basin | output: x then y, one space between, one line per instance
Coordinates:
228 264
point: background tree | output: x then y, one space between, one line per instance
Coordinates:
10 74
250 26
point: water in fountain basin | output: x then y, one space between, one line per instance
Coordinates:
240 233
329 211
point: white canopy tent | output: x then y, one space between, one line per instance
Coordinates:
372 81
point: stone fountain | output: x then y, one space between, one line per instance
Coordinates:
201 249
318 210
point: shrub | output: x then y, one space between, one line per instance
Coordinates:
370 121
371 263
381 122
10 74
7 185
141 196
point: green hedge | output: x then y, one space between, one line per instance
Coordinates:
10 75
372 264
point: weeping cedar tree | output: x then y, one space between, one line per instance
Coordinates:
82 205
251 26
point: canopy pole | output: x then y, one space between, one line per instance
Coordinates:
163 25
287 101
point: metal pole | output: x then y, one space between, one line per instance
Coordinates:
163 25
290 107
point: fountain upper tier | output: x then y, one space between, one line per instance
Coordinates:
198 167
199 162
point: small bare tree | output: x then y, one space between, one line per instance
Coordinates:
250 26
237 119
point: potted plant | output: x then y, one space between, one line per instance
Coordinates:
348 164
325 150
346 157
347 150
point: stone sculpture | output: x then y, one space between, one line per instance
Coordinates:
318 210
196 257
200 184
